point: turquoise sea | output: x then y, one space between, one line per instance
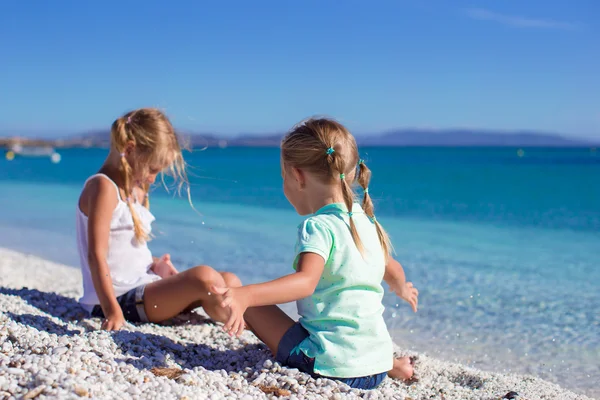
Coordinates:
503 245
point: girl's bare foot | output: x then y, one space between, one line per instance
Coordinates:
403 369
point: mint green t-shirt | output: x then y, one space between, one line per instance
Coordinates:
344 316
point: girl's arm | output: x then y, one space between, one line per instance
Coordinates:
288 288
394 273
395 278
101 202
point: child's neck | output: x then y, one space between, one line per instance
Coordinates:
112 169
321 197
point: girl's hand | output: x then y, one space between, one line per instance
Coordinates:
407 293
163 267
237 302
114 321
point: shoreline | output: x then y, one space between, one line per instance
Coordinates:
48 345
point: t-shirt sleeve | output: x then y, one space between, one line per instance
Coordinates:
313 237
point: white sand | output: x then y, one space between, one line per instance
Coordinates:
50 349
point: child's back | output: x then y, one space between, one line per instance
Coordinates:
345 312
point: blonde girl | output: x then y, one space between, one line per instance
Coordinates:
121 279
342 256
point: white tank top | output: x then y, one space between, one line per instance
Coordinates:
128 261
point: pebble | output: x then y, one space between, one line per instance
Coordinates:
186 379
60 350
133 390
15 371
236 385
33 393
260 379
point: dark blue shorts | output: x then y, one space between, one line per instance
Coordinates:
132 305
297 359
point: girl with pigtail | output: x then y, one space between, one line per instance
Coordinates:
121 279
342 256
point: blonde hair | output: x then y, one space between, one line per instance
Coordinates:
156 143
326 149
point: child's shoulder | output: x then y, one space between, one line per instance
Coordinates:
100 185
99 181
333 219
319 227
314 236
318 221
98 190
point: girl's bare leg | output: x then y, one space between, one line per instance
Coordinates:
168 297
403 369
269 324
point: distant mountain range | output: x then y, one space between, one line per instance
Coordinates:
464 137
401 137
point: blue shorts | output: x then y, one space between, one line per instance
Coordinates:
287 354
132 305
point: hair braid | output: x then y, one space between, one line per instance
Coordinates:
364 177
338 166
121 138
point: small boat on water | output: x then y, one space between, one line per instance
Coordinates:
32 151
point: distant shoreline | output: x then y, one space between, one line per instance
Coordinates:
7 144
395 138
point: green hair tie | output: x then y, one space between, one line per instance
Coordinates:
342 176
361 161
366 190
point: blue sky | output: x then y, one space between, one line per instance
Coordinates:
261 66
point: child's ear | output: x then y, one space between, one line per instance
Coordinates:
299 176
129 147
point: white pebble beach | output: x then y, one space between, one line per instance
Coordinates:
49 348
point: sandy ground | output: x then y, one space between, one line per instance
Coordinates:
49 348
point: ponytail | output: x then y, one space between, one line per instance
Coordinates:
120 139
338 165
364 177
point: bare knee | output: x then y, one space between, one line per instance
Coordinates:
203 274
231 279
